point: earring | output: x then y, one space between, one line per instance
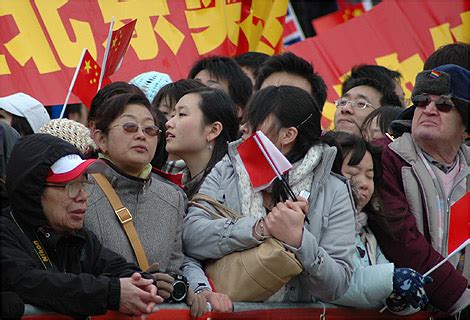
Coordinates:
210 147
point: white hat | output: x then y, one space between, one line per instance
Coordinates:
70 167
23 105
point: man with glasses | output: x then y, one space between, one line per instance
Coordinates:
361 97
47 258
425 173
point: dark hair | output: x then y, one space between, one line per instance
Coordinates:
216 105
21 125
347 143
385 76
224 68
107 92
115 106
290 63
389 98
454 53
172 92
252 60
161 155
385 115
292 107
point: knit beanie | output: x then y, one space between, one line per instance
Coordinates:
151 82
72 132
22 105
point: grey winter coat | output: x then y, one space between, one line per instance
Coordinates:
328 241
157 210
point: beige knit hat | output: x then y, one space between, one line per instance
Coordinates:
72 132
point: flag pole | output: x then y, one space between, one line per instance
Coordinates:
106 53
77 69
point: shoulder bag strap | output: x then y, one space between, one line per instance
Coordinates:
124 217
220 211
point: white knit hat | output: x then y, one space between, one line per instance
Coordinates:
72 132
22 105
151 82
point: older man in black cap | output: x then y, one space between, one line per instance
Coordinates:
425 173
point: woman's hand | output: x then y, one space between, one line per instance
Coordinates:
285 222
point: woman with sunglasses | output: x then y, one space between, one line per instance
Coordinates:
126 136
290 118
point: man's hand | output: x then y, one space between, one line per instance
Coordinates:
220 302
197 303
164 281
138 295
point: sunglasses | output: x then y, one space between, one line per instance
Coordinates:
443 103
130 127
73 187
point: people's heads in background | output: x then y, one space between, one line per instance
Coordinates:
251 62
379 121
361 97
151 82
24 113
292 130
73 132
291 70
454 53
168 96
390 79
225 74
360 162
107 92
77 112
204 122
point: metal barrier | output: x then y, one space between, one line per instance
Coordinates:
247 310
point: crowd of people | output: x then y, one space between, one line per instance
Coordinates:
114 213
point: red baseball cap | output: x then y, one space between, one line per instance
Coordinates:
71 167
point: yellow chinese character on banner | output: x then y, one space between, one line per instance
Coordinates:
145 44
31 42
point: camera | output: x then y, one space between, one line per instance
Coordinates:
180 288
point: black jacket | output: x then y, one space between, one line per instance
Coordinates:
84 276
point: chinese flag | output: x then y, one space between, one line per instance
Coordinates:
120 39
262 160
331 20
459 223
86 82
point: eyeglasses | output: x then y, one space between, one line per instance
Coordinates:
359 104
130 127
443 103
73 187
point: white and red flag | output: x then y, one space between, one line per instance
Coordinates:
262 160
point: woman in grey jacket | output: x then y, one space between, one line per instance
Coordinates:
126 135
290 118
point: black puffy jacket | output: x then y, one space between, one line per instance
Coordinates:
84 277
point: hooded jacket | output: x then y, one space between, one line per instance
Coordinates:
83 276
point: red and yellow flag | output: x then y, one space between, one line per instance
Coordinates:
86 82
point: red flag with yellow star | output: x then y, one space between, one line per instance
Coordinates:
120 39
86 82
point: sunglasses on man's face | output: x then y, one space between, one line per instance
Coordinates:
442 103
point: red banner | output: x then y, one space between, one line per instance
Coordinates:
42 41
399 35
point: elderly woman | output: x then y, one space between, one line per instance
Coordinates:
290 118
126 136
47 258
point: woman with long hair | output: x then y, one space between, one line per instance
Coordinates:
290 118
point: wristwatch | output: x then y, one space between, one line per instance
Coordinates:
200 290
